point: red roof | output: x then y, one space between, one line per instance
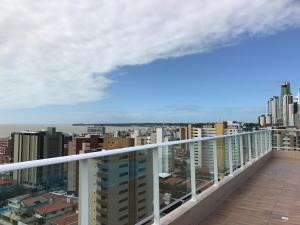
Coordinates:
6 182
52 208
173 181
66 219
36 200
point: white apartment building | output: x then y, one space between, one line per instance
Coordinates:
165 154
287 100
196 132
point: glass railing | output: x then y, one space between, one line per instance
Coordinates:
286 139
136 185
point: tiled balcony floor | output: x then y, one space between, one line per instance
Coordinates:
270 197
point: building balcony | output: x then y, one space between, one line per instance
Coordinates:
247 178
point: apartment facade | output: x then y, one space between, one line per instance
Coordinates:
38 145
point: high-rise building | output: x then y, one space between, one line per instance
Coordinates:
291 121
262 120
3 146
273 109
130 198
75 147
297 114
219 129
183 133
191 133
270 102
38 145
297 120
298 99
285 90
268 120
287 100
283 111
4 150
166 154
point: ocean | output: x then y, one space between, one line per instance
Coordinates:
7 129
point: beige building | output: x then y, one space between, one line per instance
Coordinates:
120 186
117 142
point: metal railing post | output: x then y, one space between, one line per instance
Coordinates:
215 155
156 205
84 192
241 151
193 171
261 144
270 140
250 148
256 145
230 157
266 141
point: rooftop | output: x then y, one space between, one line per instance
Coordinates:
271 196
69 219
6 182
32 201
53 207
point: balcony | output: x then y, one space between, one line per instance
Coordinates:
247 178
270 196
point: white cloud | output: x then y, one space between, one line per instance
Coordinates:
59 51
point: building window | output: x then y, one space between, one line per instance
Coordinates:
141 169
142 200
142 192
123 174
142 208
142 177
123 208
142 185
123 165
123 200
124 182
123 191
123 217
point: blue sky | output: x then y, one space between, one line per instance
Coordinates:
227 83
146 61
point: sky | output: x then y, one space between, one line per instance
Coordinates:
145 61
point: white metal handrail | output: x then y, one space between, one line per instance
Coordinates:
65 159
286 130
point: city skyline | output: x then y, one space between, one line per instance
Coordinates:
283 109
209 75
138 112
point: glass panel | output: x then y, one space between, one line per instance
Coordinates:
236 157
121 188
38 196
223 157
260 144
253 145
204 165
175 176
245 148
